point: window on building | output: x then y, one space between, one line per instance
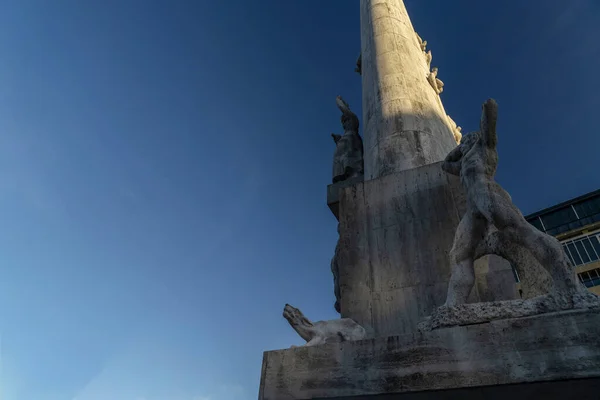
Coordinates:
587 244
537 223
587 220
564 228
574 254
588 208
590 278
568 254
582 253
594 240
558 218
583 250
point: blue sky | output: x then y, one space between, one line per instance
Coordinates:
163 170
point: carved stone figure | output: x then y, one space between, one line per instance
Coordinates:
335 270
359 65
428 57
456 130
492 224
320 332
458 134
348 157
434 81
422 43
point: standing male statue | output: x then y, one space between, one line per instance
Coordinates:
348 157
488 205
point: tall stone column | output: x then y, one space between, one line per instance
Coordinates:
404 122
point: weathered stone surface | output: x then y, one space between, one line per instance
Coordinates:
548 347
395 234
535 279
494 279
404 122
348 157
333 193
476 313
320 332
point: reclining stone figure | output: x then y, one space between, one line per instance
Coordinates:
492 224
320 332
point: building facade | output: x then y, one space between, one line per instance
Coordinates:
576 224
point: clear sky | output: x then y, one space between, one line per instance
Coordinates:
163 172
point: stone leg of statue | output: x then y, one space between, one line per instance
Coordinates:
545 248
470 232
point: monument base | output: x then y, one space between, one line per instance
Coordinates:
554 354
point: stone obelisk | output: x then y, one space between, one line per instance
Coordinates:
404 123
397 226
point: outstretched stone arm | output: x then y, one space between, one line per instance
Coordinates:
342 105
336 138
489 116
452 163
349 119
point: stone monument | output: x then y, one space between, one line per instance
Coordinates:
421 226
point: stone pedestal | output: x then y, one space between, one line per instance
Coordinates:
555 354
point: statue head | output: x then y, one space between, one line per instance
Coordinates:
350 122
295 317
468 141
